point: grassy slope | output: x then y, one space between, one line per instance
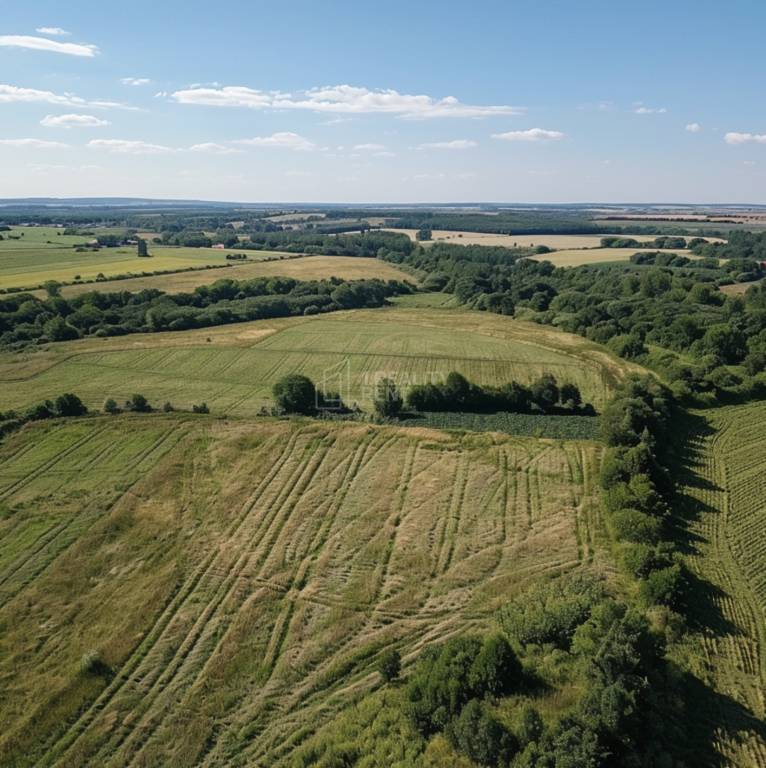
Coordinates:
233 367
240 579
723 522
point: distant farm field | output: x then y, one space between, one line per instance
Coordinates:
187 591
300 268
577 257
32 260
512 241
233 367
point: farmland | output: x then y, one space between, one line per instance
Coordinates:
40 256
233 368
241 579
724 519
300 268
516 241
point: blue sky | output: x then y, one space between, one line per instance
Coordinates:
397 102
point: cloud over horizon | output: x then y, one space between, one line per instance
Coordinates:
344 99
531 134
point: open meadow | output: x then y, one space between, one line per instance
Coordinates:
40 256
233 367
277 265
179 590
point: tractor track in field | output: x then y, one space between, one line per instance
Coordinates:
127 670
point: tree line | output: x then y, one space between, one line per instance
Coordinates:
25 318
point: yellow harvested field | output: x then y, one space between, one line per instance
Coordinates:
575 257
302 268
520 241
737 289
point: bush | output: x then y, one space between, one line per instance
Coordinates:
388 400
201 408
110 405
390 665
295 394
168 408
138 403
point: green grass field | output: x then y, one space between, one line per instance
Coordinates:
238 581
42 255
233 368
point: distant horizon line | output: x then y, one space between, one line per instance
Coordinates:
107 200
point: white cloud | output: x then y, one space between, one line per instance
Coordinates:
52 46
531 134
369 147
73 121
745 138
455 144
211 148
135 80
694 127
55 31
32 144
344 99
124 147
11 94
281 139
641 109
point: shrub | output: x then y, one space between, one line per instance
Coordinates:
138 403
388 400
201 408
110 405
390 665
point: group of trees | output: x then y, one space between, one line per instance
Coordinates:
26 318
296 393
662 241
456 393
450 689
710 344
635 426
65 405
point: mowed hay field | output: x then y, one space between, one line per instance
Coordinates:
576 257
300 268
179 590
511 241
725 523
234 367
32 260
